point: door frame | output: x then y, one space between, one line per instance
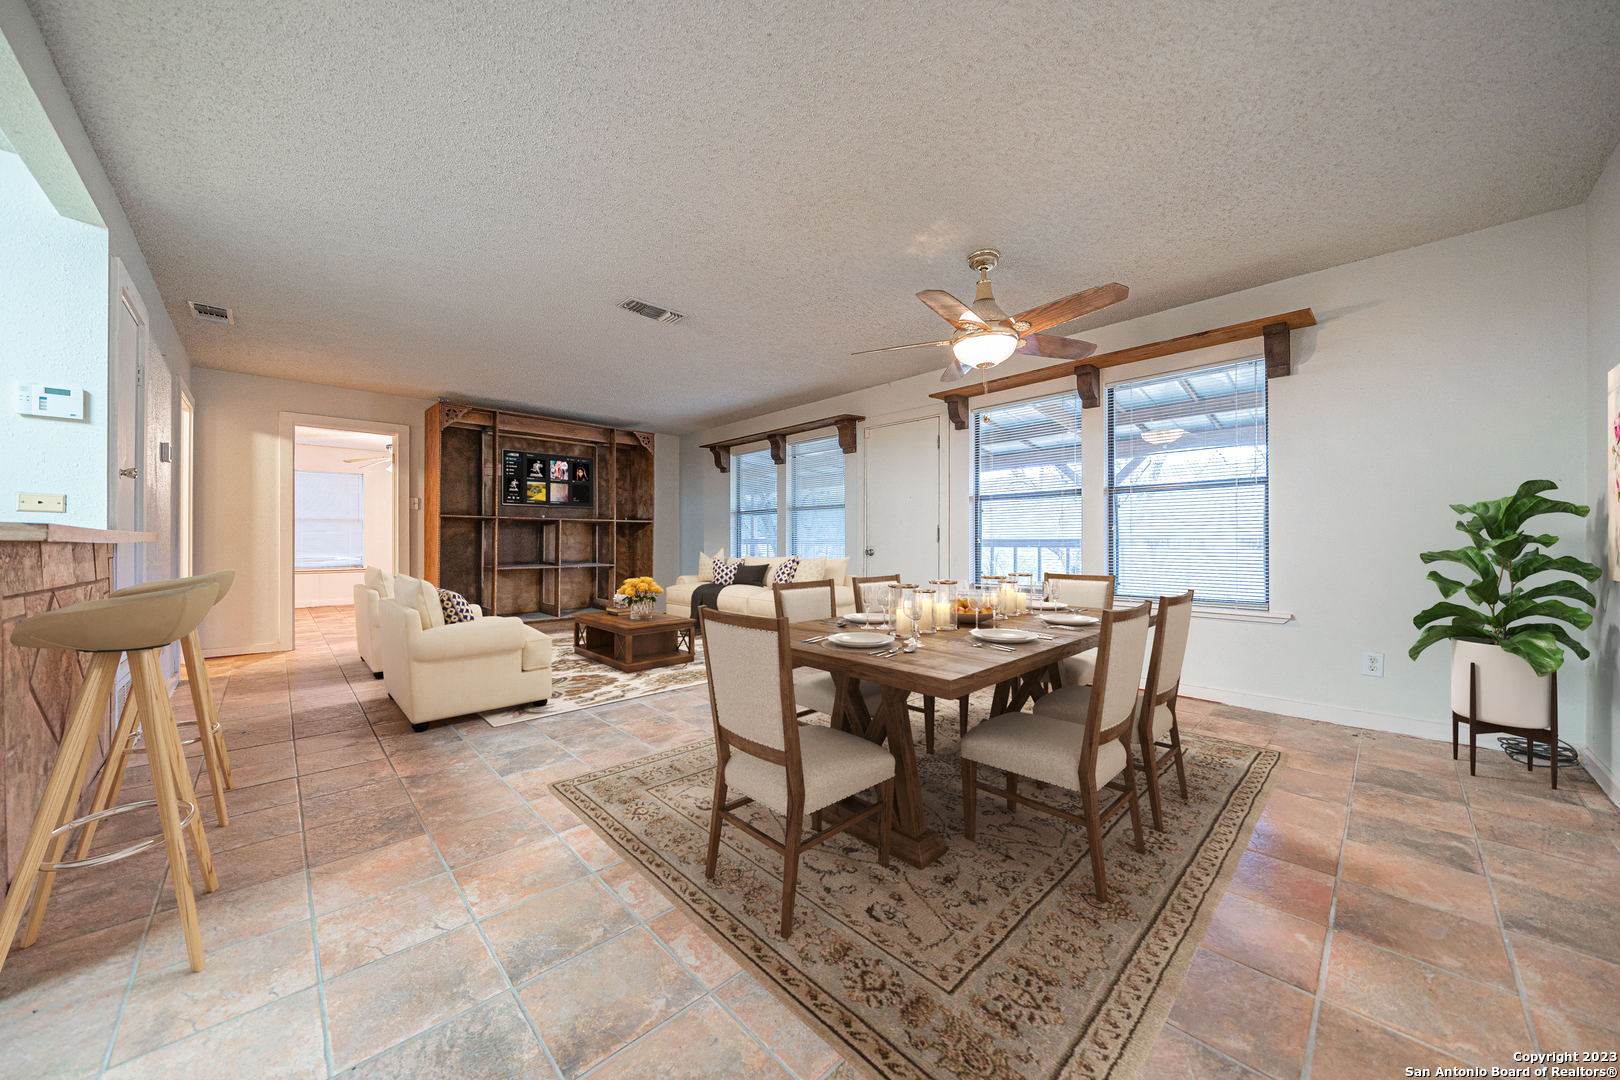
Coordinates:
890 420
284 502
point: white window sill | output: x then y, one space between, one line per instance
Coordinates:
1274 618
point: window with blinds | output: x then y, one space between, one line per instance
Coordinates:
1026 487
753 505
816 498
329 530
1187 495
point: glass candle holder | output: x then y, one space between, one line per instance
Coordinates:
944 604
903 600
927 610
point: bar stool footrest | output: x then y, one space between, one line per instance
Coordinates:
113 856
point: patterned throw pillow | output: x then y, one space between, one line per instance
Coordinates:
785 571
725 571
708 563
456 607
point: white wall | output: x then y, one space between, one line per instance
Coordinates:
53 329
1603 347
1445 373
320 588
239 499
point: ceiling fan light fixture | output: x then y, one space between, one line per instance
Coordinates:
985 349
1163 436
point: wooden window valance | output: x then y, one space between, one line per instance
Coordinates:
779 437
1274 329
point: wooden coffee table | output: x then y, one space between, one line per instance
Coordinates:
633 644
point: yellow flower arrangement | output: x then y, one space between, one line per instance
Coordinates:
640 588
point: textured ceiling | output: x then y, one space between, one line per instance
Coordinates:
452 199
353 440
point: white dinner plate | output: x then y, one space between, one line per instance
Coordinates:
1005 636
865 617
1046 605
862 639
1069 618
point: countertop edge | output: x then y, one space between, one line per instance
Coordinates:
36 532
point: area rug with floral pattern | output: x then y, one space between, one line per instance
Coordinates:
997 961
578 682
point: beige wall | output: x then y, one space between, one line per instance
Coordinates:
317 588
240 504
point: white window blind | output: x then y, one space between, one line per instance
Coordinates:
1026 487
1187 496
816 498
753 505
328 520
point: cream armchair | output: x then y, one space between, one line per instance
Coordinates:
378 584
434 670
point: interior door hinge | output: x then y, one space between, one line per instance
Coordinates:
936 534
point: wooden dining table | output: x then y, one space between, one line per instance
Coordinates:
947 666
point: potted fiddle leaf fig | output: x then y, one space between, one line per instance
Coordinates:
1506 611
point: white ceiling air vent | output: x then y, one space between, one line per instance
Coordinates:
210 313
641 307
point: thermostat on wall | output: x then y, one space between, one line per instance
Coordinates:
37 399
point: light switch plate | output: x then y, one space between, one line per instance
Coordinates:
41 504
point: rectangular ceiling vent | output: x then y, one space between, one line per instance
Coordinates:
210 313
663 315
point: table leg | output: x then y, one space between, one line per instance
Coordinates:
910 838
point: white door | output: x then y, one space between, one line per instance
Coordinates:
128 391
903 528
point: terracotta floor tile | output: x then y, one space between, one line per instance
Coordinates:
251 828
227 917
536 783
591 1006
453 807
635 890
341 758
514 876
374 1007
1415 810
1550 874
481 837
537 755
335 780
1435 845
260 753
1295 844
592 849
178 1002
1351 1047
622 712
339 806
1569 982
1588 849
63 1040
1429 785
492 1041
605 738
630 751
541 933
1222 727
1542 811
104 900
1307 813
1177 1054
364 832
694 948
1593 929
358 735
383 925
1412 877
42 975
805 1052
703 1043
1376 752
1331 789
1297 890
1267 940
572 725
1451 942
1560 1031
339 884
282 1039
1248 1016
555 814
1480 1025
263 772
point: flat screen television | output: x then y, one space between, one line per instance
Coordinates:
529 479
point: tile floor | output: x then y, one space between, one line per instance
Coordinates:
404 905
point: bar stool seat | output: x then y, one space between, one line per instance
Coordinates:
137 625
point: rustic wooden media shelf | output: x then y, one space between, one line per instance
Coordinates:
548 560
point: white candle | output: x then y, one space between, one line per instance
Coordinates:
925 618
942 614
902 622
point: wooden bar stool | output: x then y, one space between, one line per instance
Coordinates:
129 739
138 625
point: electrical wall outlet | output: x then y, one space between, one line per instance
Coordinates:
1372 663
41 504
416 504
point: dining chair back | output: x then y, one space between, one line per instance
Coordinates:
806 601
927 706
763 752
1083 590
1156 717
860 602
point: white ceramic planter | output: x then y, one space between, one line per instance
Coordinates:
1510 693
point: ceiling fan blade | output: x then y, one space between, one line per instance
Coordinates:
1058 348
897 348
368 457
1073 307
955 371
950 308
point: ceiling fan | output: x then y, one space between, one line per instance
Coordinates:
375 459
986 335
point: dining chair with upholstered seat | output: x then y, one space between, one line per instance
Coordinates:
1156 719
1080 757
927 707
1094 591
808 601
766 755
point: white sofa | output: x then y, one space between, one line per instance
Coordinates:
754 599
378 584
434 670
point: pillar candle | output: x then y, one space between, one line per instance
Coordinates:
925 618
942 614
902 622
